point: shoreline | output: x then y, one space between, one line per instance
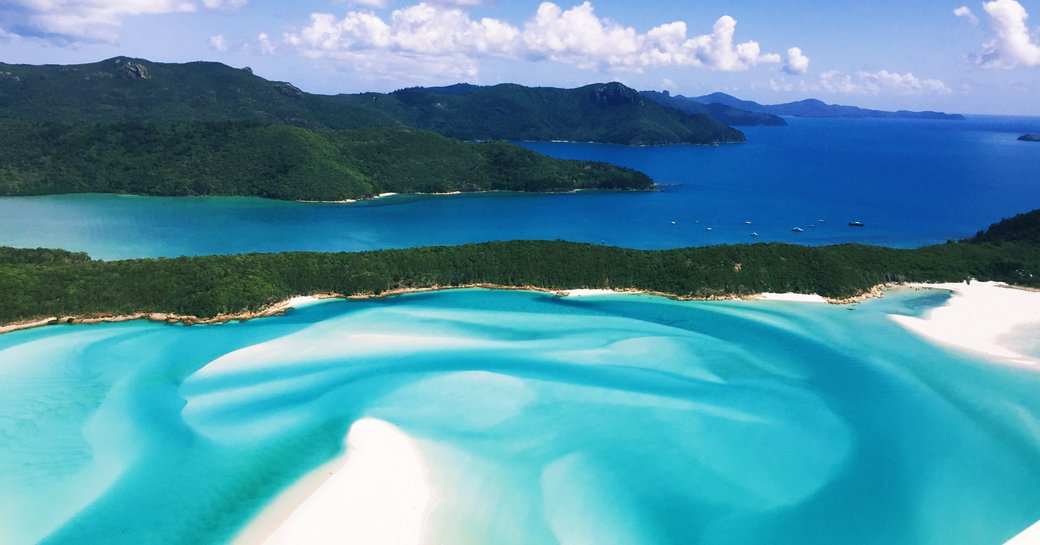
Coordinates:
975 318
281 307
655 187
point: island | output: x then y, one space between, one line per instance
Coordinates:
1030 137
812 107
45 286
132 90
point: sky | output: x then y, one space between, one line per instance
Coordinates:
974 57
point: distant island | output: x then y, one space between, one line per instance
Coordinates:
723 112
42 286
278 161
814 108
1030 137
130 90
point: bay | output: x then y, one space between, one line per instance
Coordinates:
911 182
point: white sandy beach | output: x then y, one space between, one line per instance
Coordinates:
793 297
976 316
377 493
1031 536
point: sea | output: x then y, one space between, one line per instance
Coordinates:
910 182
607 419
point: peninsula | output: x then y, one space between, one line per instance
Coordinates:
279 162
1031 137
42 286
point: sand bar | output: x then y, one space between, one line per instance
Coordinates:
376 493
976 316
1031 536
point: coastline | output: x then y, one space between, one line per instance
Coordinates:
976 317
281 307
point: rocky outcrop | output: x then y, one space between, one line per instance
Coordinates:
131 70
614 94
289 90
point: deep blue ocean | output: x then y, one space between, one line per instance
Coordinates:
610 419
911 183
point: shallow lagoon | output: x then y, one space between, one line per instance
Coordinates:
618 419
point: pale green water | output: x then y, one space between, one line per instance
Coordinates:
621 419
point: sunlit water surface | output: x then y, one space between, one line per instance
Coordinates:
616 419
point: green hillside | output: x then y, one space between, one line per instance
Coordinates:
122 90
277 161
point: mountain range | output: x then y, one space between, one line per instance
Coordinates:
811 108
124 89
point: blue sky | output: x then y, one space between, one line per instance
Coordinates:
974 57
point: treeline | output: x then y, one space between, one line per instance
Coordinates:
277 161
41 283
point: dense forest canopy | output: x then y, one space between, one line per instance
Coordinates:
42 283
123 89
277 161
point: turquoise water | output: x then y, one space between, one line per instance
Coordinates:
911 182
617 419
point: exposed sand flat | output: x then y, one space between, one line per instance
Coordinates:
977 316
1031 536
588 292
377 493
793 297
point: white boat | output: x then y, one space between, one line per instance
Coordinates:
797 229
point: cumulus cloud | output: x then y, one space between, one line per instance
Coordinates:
965 11
265 45
218 42
880 82
1010 44
796 63
575 36
90 20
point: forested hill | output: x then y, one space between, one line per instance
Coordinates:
277 161
43 283
135 90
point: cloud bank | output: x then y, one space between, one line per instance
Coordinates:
876 83
448 36
90 20
1010 43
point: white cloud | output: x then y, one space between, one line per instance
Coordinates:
224 4
369 3
1010 44
218 42
575 36
876 83
796 62
90 20
965 11
265 45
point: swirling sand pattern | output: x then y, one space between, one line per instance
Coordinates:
615 419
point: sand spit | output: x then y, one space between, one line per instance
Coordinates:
976 316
